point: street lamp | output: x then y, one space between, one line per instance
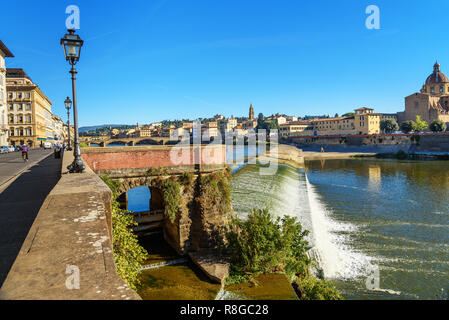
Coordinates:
68 105
72 44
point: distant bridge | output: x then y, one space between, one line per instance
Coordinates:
104 142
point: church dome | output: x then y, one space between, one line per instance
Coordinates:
437 76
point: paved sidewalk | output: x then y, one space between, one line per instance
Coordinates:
21 200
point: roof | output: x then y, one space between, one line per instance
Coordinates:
333 119
16 73
364 108
437 76
292 123
5 50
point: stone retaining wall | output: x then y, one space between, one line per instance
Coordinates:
427 142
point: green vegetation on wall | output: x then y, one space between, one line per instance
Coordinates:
216 187
263 244
172 198
128 254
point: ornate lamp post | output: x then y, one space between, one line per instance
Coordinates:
72 44
68 105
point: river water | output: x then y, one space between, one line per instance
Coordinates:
385 220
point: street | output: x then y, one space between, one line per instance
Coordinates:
12 163
23 189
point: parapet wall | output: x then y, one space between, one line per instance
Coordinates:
72 231
427 142
113 158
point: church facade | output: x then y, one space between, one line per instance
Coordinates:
432 102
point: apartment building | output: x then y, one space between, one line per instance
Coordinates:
29 110
4 128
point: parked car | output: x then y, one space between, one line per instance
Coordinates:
18 148
4 149
47 145
11 148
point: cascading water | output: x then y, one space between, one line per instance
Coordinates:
289 192
333 254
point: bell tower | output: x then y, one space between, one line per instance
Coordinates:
251 112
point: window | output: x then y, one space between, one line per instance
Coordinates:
19 95
416 104
11 107
20 107
11 132
11 95
29 106
432 90
11 119
441 89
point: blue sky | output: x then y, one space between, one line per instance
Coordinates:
146 61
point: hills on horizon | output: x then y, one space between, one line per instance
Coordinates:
93 128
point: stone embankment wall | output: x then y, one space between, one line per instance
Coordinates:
427 142
71 233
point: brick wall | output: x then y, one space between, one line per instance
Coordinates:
135 157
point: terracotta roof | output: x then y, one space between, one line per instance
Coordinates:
334 119
16 73
303 122
437 76
5 50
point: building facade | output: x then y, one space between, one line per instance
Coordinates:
364 121
296 128
432 102
4 128
58 129
29 111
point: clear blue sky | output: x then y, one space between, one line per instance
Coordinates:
146 61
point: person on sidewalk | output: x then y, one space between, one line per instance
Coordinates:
25 152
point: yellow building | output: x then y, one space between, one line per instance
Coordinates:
364 121
29 111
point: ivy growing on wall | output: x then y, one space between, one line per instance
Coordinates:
128 253
172 198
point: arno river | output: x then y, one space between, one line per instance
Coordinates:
365 214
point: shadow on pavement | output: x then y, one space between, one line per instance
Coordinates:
19 206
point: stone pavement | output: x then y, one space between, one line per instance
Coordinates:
21 200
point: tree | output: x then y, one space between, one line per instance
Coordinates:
349 114
264 244
419 124
336 115
407 126
389 126
437 126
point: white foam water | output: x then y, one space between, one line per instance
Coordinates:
336 258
